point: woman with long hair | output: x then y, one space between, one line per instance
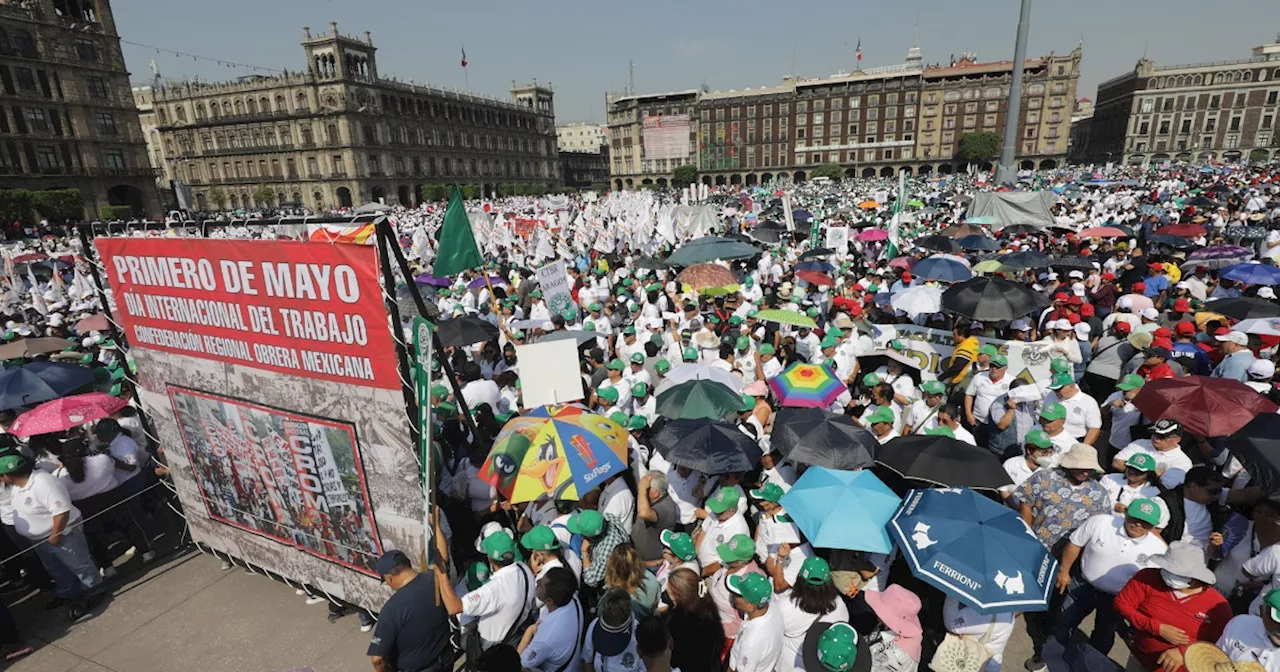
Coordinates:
625 570
812 598
697 636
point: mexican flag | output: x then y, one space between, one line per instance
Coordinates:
895 224
457 251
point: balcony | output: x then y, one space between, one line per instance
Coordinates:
341 175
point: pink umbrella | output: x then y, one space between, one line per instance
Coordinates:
1102 232
872 235
902 262
96 322
63 414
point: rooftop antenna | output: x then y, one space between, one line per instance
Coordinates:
844 61
793 58
915 38
631 77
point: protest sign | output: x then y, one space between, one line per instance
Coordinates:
555 290
549 372
269 371
838 239
933 347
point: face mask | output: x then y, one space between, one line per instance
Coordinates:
1174 581
1044 460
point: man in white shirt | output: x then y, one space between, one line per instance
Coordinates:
1255 637
723 522
43 513
500 605
1111 550
687 489
1084 419
1172 464
1124 415
1037 453
921 415
759 643
983 389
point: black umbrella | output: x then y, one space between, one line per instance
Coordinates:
1243 307
1203 202
991 299
814 436
1071 263
40 381
1257 446
649 263
943 461
711 447
1176 242
820 252
1025 259
938 243
1021 229
978 242
466 330
582 337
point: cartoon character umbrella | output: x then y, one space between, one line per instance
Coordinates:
806 385
560 451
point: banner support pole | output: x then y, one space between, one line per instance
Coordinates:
402 356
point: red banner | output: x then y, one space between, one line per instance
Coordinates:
306 309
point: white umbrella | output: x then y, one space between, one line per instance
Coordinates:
918 300
1263 326
683 372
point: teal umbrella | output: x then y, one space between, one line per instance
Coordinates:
711 248
698 398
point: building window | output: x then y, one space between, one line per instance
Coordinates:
26 79
36 119
1272 96
97 87
87 50
106 123
47 159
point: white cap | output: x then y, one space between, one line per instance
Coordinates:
1150 313
1082 331
1075 274
1124 303
1052 276
1078 289
1237 337
1021 324
1262 369
1062 325
1183 285
491 527
1266 293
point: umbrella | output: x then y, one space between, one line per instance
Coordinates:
1022 229
918 300
945 270
991 299
938 243
55 264
943 461
1203 405
30 347
962 230
801 215
1025 259
1182 230
560 452
1237 308
431 280
814 436
816 265
1257 446
698 398
872 205
1263 326
872 235
1252 274
806 385
1071 263
63 414
817 278
582 337
711 447
982 219
1218 256
710 248
683 372
987 266
28 258
780 316
1102 232
820 503
481 282
978 242
971 548
1203 202
370 208
902 262
1172 241
915 203
820 252
1151 210
465 330
649 263
95 322
40 381
707 276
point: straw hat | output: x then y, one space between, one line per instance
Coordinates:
1205 657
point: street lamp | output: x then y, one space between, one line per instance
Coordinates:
1006 172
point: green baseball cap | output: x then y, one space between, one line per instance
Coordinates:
724 499
1145 510
1130 382
1059 365
811 312
752 313
740 547
615 364
1038 438
1053 411
540 538
690 353
1141 462
748 403
438 391
881 414
588 522
1272 600
933 387
446 408
742 343
619 417
681 544
588 326
637 358
11 463
640 389
941 431
829 342
735 320
815 571
766 349
662 366
713 319
837 648
871 380
609 394
637 423
499 546
769 492
751 587
477 574
999 360
988 350
537 293
629 331
594 307
1061 380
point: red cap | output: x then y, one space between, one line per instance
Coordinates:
1139 286
1075 301
1060 296
1161 332
1185 329
1222 331
857 287
1123 327
906 276
1073 318
1108 276
1182 306
1086 252
1156 266
1202 269
855 310
1087 310
1162 343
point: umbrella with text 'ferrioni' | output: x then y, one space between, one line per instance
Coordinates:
1202 405
63 414
806 385
559 451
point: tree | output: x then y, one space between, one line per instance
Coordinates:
471 191
263 196
829 170
522 189
217 197
433 192
979 147
684 176
15 206
116 212
505 190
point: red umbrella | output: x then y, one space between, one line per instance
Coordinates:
1182 230
63 414
96 322
1203 405
815 277
30 256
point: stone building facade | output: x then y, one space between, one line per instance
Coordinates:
67 118
338 134
1223 111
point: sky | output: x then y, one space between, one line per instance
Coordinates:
583 48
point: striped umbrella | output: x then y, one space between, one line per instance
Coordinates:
806 385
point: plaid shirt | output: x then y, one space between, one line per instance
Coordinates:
614 535
1058 507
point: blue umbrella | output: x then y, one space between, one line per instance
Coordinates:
975 550
819 266
943 269
823 505
40 381
978 242
801 215
1252 274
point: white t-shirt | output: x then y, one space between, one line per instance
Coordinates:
498 604
984 391
1121 492
1245 640
1199 523
960 619
1174 463
681 491
758 645
627 660
795 625
99 477
36 503
718 532
1083 413
1018 471
618 501
553 645
1266 566
1111 557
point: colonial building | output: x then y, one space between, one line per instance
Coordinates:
1224 111
580 137
585 169
1081 121
67 118
651 135
875 122
339 134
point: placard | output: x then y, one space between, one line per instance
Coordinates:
549 372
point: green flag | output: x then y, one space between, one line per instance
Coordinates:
895 223
458 251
